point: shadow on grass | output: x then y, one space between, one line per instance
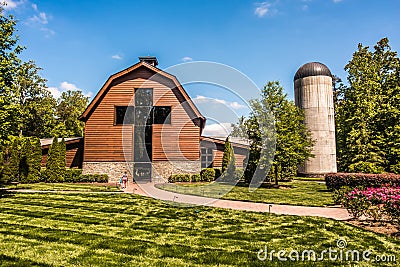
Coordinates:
4 193
14 261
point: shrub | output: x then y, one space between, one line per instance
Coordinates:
395 168
338 180
72 175
365 167
218 172
207 175
35 161
92 178
179 178
376 203
55 165
195 178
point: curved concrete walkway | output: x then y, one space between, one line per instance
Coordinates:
149 190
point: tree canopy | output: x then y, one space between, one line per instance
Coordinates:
27 108
276 118
368 111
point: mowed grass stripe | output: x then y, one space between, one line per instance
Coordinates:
147 232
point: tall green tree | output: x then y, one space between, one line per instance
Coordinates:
228 159
53 171
24 166
9 63
70 106
26 107
35 160
37 105
239 129
11 171
368 111
253 156
276 118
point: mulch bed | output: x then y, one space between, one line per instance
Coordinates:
386 228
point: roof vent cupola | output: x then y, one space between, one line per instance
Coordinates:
149 60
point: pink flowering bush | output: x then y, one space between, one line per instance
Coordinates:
377 203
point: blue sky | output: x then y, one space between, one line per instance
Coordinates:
79 44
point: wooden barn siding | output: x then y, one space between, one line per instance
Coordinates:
74 155
103 140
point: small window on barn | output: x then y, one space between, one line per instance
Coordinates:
124 115
207 157
162 115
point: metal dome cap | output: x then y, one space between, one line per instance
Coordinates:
312 69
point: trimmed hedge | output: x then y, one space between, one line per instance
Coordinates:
73 175
93 178
335 181
207 175
179 178
195 178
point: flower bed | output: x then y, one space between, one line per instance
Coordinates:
381 203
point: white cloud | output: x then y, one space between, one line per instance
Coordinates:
48 32
116 57
34 6
89 94
11 4
202 99
186 59
54 91
262 9
337 1
65 86
69 86
40 18
220 129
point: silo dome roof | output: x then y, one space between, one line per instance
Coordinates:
312 69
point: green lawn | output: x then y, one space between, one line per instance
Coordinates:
86 187
293 193
49 229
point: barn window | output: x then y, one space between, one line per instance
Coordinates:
162 115
124 115
206 157
144 97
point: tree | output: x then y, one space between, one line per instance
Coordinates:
70 106
368 111
276 118
253 157
228 160
26 153
11 169
37 105
62 158
52 164
26 106
239 129
9 63
35 160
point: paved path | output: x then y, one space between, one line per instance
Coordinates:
150 190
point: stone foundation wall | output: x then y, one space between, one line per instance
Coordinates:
114 169
164 169
161 169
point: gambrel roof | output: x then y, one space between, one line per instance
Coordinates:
189 106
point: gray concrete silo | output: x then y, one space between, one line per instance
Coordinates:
313 93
